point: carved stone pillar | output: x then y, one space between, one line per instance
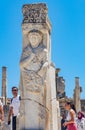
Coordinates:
35 87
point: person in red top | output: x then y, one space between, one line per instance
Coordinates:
71 116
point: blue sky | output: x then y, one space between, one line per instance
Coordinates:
68 39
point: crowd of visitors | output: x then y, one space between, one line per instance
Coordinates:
71 120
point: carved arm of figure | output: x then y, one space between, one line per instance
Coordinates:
26 61
27 56
45 63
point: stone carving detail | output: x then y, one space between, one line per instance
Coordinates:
42 112
34 39
37 81
35 13
60 87
33 82
34 62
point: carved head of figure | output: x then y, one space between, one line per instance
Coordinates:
35 39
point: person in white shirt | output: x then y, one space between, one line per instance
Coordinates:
80 121
14 107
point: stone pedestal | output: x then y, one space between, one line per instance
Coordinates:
38 107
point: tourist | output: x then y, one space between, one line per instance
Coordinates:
71 116
80 121
14 107
1 111
62 121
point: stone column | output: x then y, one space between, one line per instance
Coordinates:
4 94
55 110
77 91
36 107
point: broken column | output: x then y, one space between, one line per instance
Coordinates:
77 92
4 93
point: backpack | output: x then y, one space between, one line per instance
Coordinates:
13 97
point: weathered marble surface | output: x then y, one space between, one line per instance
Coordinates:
60 86
36 110
34 13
